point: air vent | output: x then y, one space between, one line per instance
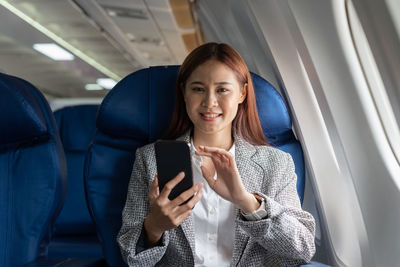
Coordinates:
133 13
144 40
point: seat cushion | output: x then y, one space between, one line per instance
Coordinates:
84 246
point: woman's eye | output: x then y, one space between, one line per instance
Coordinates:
197 89
222 90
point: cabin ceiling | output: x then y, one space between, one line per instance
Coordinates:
120 36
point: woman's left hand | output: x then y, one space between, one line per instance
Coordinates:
228 184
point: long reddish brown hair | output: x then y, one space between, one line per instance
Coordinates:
246 124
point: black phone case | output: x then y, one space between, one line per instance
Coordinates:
173 157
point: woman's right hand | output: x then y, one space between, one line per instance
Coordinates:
167 214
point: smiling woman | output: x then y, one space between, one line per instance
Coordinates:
243 207
233 69
212 95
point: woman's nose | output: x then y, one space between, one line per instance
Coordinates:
209 100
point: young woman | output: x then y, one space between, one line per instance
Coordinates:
245 210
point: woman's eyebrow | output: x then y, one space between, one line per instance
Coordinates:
222 83
196 82
216 83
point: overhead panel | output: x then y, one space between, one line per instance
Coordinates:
140 29
161 30
70 23
120 36
164 4
45 11
67 20
19 59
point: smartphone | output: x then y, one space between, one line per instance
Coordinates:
172 158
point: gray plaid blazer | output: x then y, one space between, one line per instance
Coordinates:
285 236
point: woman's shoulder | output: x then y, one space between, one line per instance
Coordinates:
145 150
275 160
147 147
265 152
272 153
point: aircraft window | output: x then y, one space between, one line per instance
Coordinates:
376 85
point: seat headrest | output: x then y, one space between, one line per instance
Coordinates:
20 112
140 106
274 116
76 125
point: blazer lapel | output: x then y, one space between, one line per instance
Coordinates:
252 174
250 170
188 224
188 229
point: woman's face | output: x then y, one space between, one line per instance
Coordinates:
212 95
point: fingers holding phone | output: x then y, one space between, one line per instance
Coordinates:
169 186
188 199
166 214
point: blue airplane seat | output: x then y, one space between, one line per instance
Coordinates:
33 172
136 112
277 126
74 232
133 114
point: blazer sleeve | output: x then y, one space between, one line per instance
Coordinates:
133 215
287 231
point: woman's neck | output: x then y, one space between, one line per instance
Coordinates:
221 140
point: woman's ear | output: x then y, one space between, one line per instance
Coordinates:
243 93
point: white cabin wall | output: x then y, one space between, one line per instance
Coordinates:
310 114
354 170
363 147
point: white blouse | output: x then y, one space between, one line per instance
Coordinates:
214 222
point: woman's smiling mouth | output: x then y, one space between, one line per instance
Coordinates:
210 116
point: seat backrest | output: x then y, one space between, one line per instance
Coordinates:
32 172
277 126
136 112
77 125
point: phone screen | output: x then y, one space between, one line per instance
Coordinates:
173 157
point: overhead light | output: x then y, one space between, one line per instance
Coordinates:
54 51
93 86
106 83
112 13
